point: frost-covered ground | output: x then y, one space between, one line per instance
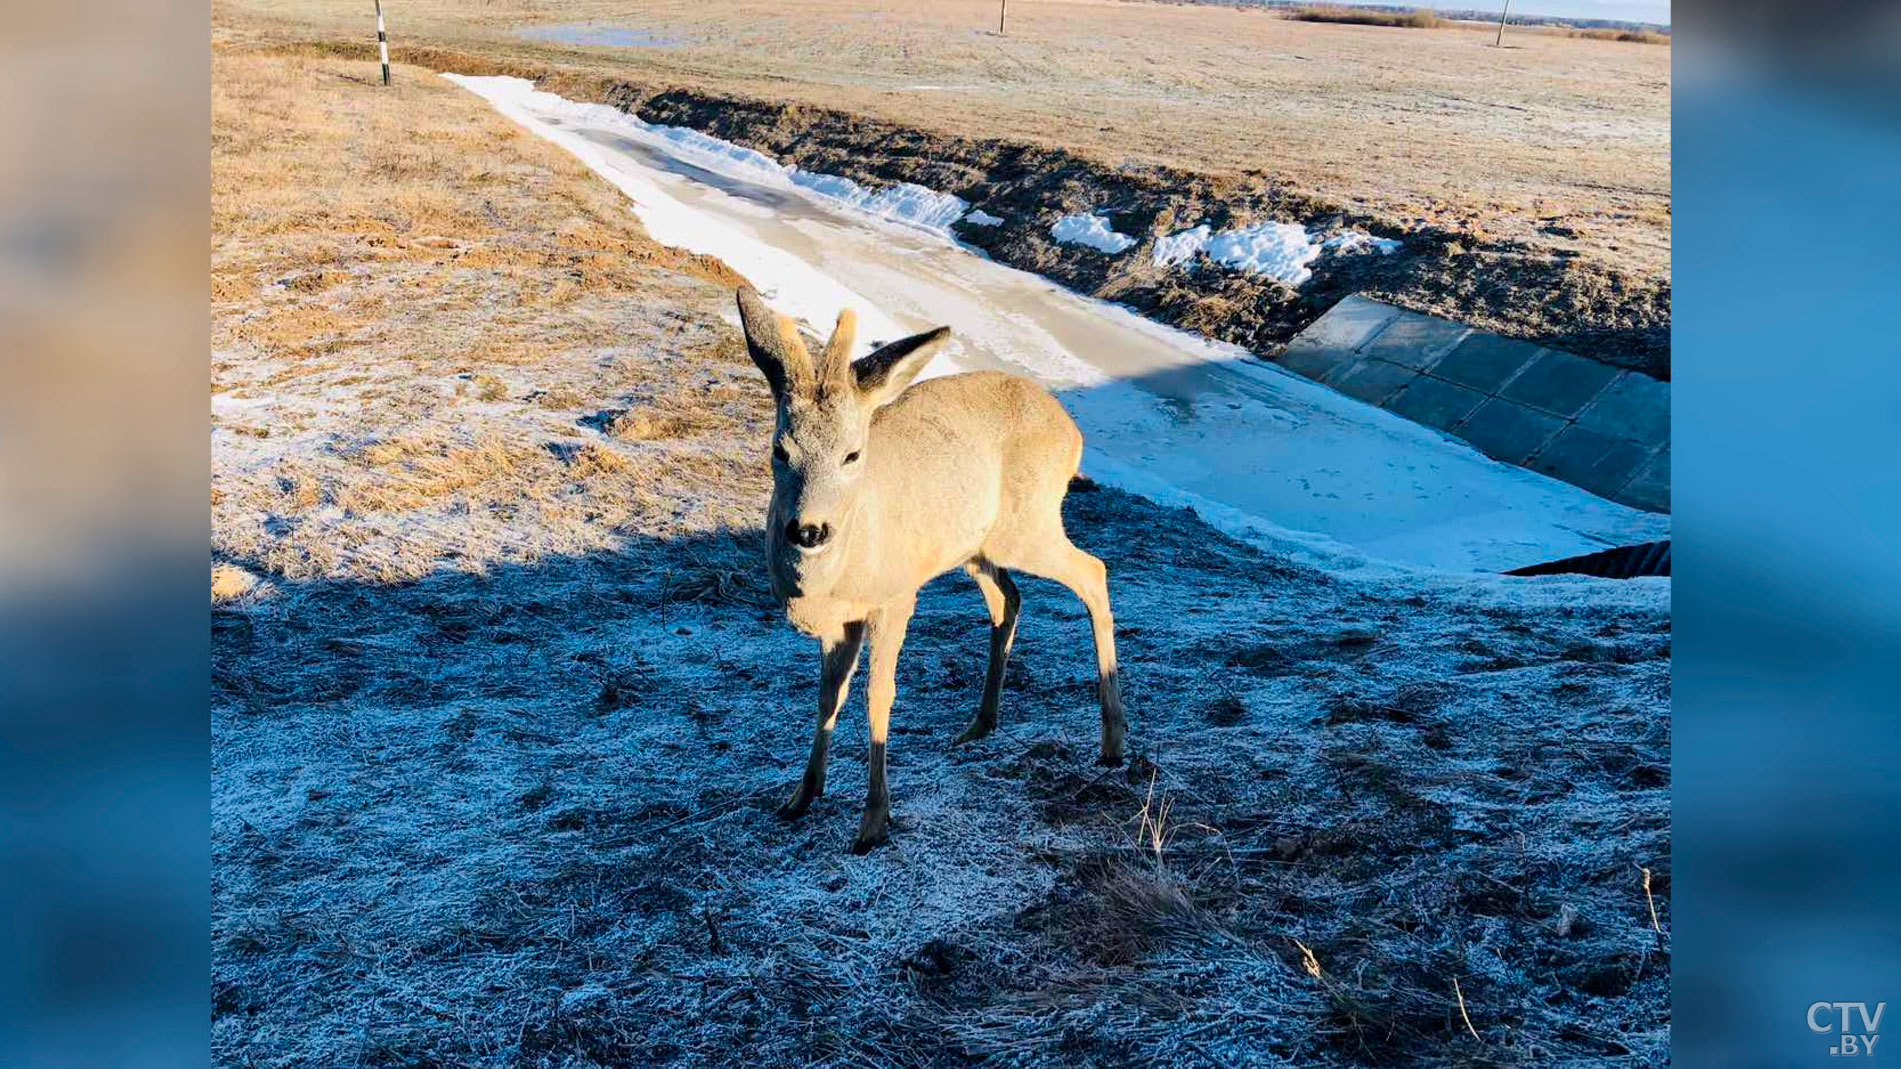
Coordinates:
501 710
527 818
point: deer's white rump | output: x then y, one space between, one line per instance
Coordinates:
880 486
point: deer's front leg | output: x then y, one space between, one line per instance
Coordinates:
838 659
887 627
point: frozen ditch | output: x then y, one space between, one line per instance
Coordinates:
1263 454
598 35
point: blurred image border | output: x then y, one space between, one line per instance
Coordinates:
1788 584
1788 579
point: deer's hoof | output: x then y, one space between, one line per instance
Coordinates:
972 734
796 807
873 832
1110 760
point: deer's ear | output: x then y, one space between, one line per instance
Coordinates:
773 343
834 371
883 375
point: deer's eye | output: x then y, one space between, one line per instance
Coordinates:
851 457
779 453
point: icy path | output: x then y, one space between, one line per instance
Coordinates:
1258 452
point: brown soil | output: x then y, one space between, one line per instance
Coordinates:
1542 295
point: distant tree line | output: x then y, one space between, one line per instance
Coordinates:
1454 14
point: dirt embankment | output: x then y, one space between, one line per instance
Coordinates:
1552 296
1567 301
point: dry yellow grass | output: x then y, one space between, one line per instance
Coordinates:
420 314
1636 37
229 583
1558 142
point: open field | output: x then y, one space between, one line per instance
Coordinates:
1534 180
501 709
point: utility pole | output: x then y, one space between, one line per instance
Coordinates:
1500 41
1003 8
382 41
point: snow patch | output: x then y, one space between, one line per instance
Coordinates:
979 217
903 203
1091 230
1358 242
906 203
1278 250
1179 248
715 154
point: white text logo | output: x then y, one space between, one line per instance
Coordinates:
1824 1016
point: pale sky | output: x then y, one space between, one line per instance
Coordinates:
1628 10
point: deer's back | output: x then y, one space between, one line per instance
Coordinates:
961 455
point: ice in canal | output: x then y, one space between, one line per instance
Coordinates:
1258 452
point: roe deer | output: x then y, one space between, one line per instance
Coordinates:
878 489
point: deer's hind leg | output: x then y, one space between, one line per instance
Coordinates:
1001 598
1053 556
838 658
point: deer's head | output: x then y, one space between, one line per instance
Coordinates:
821 447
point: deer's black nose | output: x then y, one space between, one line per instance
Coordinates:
808 535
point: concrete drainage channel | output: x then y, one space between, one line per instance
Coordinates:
1624 562
1592 425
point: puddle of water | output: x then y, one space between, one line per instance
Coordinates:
601 36
1264 454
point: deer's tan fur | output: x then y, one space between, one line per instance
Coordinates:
880 486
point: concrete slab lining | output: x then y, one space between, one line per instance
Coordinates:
1650 488
1559 383
1435 402
1635 407
1485 362
1372 381
1416 342
1590 424
1510 432
1583 457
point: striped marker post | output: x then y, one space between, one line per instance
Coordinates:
382 41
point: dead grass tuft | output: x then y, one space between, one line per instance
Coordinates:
230 582
1636 37
414 472
558 396
490 388
1419 19
648 426
591 460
